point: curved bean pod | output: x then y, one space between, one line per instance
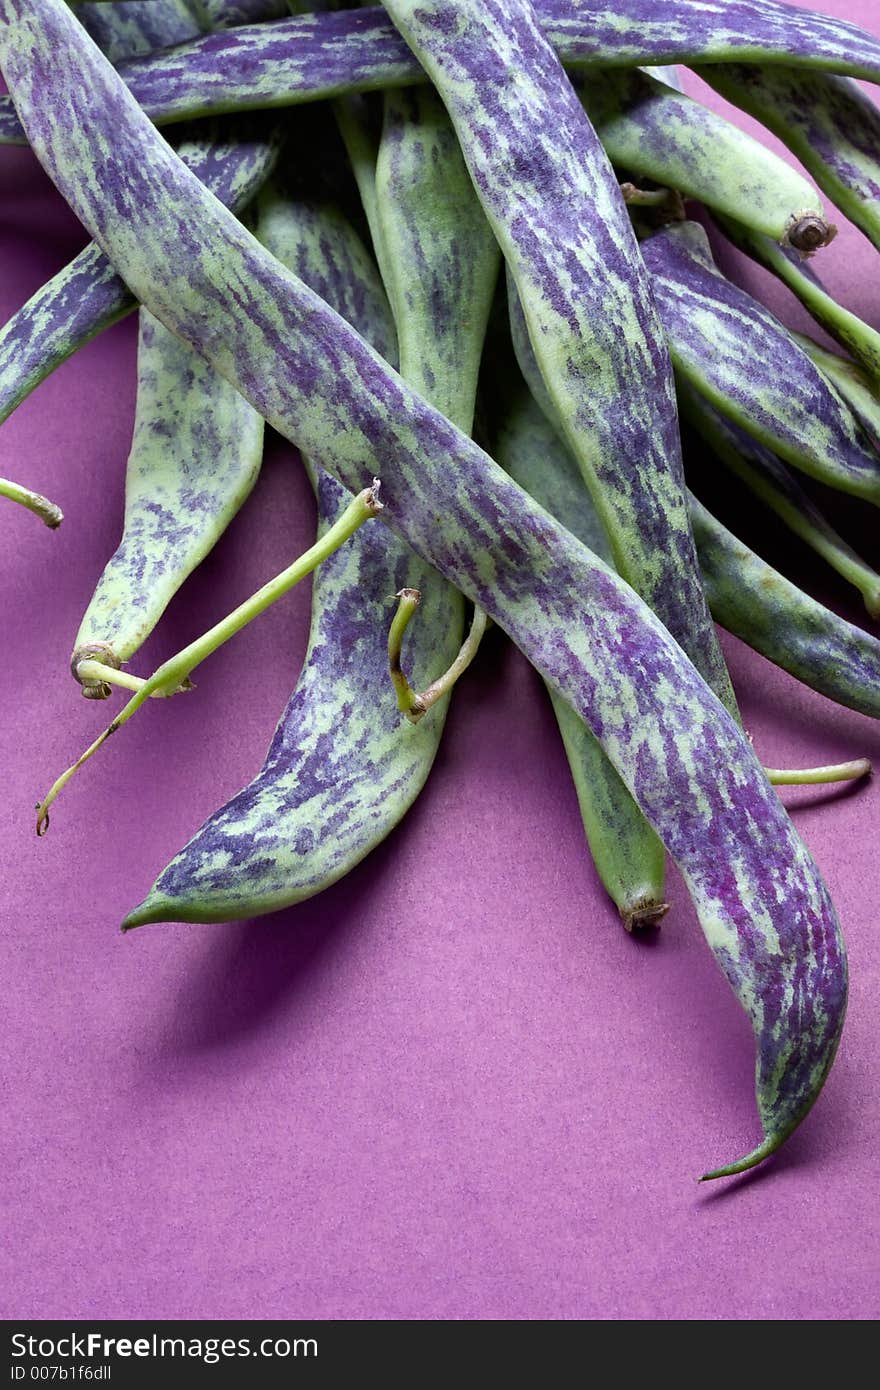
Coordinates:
551 198
860 338
628 855
626 851
195 456
317 56
763 905
770 480
739 356
650 129
311 814
341 769
87 296
777 619
828 122
746 595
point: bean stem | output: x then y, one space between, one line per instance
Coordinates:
416 705
818 776
172 674
47 511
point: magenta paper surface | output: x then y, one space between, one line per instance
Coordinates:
450 1087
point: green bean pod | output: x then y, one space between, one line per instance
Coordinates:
441 254
738 355
627 853
195 456
771 481
776 618
342 768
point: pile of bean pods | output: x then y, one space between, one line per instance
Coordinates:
334 270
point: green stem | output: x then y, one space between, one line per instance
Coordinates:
90 670
175 672
416 705
47 511
817 776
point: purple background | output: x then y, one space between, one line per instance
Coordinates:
451 1087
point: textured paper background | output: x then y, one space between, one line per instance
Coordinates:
449 1088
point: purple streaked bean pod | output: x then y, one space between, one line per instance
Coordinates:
853 333
746 595
318 806
738 355
827 121
649 129
777 619
626 851
856 386
195 456
770 480
628 856
762 903
232 158
552 199
324 55
341 769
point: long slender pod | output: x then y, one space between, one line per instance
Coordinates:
196 448
304 824
195 455
827 121
777 619
553 202
441 253
858 337
233 158
650 129
746 595
627 854
313 57
762 903
626 851
772 482
738 355
342 768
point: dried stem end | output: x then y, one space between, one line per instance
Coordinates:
808 233
644 916
93 651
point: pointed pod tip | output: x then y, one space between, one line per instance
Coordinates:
768 1146
154 908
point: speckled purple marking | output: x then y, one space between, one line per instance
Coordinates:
233 159
738 354
311 57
